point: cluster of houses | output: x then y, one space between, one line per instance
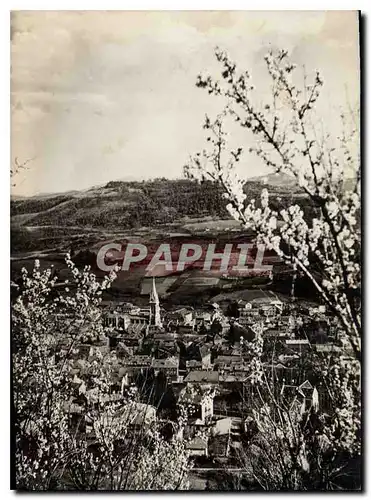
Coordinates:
191 361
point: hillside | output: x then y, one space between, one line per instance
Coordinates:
118 203
133 204
56 222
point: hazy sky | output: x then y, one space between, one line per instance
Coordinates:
99 96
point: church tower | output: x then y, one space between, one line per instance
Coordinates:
154 305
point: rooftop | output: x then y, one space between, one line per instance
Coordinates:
211 377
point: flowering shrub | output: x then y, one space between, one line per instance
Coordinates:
252 353
72 431
289 139
291 444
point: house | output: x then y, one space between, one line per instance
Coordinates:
225 361
268 306
116 319
133 339
193 365
198 400
169 366
199 404
198 447
182 316
200 353
162 344
220 445
132 366
137 361
297 345
247 313
276 333
202 318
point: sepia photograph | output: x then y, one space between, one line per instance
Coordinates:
186 256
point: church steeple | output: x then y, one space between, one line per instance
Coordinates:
154 305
